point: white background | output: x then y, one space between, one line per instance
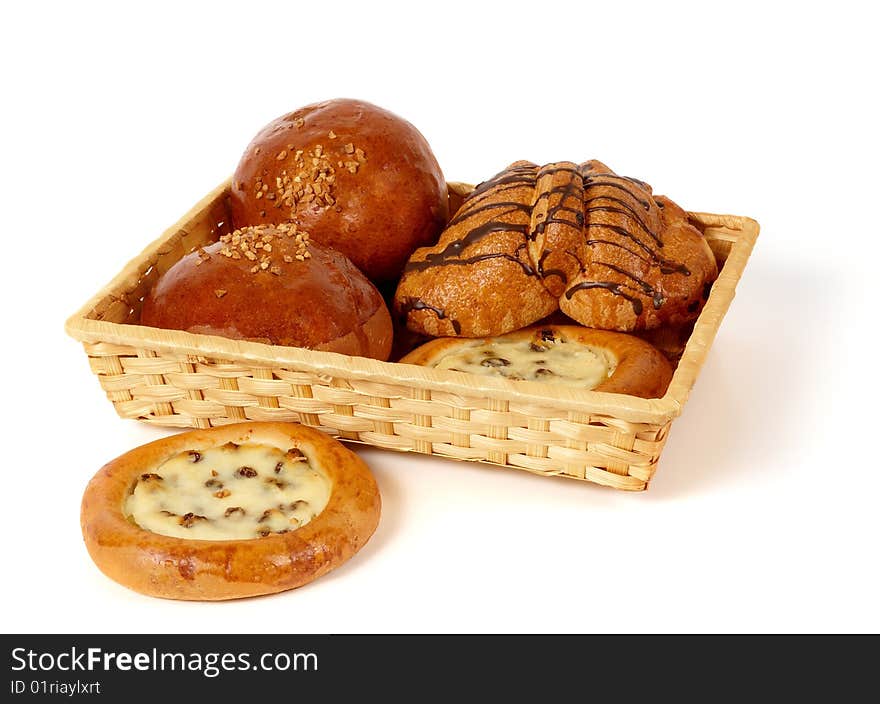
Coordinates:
763 513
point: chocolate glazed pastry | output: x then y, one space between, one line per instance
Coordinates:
596 245
480 278
640 263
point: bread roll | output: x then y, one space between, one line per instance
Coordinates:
359 178
273 285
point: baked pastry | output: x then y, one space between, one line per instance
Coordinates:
564 355
480 278
235 511
577 237
669 339
359 178
641 263
273 285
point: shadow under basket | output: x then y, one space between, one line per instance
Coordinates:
185 380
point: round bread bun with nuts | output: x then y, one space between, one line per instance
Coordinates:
567 355
273 285
236 511
359 178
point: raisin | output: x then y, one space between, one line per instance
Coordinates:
188 519
277 482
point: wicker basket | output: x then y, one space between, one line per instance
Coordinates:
179 379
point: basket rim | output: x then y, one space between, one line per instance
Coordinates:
630 408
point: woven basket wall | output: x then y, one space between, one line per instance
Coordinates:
180 379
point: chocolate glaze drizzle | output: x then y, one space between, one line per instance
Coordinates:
616 289
526 267
453 249
519 175
667 266
628 212
466 215
514 178
646 288
411 304
509 180
547 273
593 181
567 191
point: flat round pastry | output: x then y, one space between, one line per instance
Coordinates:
236 511
564 355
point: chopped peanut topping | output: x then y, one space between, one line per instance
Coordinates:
260 244
308 177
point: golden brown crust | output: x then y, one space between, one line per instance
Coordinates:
640 264
369 185
641 369
557 224
321 302
581 238
479 279
176 568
